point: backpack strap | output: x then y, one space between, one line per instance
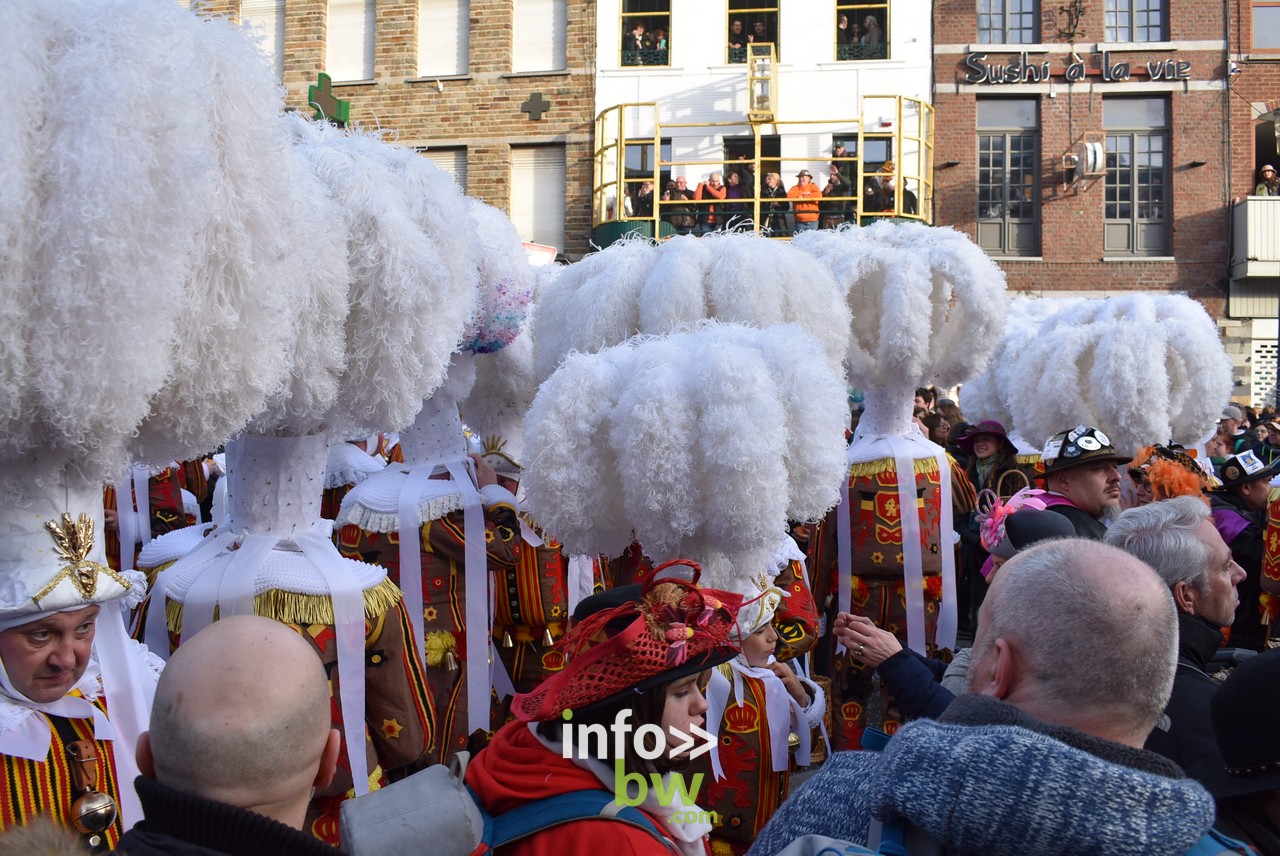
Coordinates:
532 817
1214 843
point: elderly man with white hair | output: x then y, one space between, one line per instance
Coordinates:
1177 538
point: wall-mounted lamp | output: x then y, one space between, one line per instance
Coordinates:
1195 164
948 164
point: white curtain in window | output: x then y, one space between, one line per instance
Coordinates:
349 40
541 32
451 161
537 194
444 30
266 17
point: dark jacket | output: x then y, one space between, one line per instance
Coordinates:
183 824
913 681
1185 733
1086 525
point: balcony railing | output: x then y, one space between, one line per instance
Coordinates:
1255 250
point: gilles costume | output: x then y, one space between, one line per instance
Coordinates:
70 759
763 736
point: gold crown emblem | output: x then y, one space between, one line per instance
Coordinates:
496 444
73 539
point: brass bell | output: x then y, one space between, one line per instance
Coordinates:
93 812
547 639
450 662
506 640
793 741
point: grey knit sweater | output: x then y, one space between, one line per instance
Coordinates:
989 779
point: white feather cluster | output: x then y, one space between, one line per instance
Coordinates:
701 444
503 393
506 279
987 395
146 242
928 306
634 287
1143 368
414 286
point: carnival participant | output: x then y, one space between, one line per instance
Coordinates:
64 655
1084 484
759 708
638 657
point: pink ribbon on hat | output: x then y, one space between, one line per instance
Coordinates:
992 512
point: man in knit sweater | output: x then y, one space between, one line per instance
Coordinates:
240 733
1073 663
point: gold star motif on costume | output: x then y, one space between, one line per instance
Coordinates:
430 613
391 729
877 558
898 558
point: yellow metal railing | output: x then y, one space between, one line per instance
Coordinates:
904 182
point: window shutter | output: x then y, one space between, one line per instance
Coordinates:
541 31
266 17
452 162
444 29
349 40
537 194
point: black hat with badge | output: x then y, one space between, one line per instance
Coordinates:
1243 468
1080 445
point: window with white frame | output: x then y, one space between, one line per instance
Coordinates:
444 37
1008 176
537 194
1136 197
349 40
541 35
1134 21
266 18
1007 22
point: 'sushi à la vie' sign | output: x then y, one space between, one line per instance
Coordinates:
1022 70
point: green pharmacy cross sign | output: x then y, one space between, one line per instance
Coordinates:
328 106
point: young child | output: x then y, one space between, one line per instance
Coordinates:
760 711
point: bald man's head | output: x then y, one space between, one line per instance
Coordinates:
242 716
1092 632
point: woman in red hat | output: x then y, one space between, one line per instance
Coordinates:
638 658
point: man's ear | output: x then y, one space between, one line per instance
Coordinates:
329 759
146 761
1004 670
1184 597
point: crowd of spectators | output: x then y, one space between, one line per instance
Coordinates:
725 199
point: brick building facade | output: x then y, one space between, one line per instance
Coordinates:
477 114
1089 149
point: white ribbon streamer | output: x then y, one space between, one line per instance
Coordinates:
476 580
499 677
156 632
130 689
780 714
581 580
348 625
844 555
126 522
142 500
410 526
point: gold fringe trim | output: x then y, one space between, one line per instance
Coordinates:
923 466
1024 460
295 608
